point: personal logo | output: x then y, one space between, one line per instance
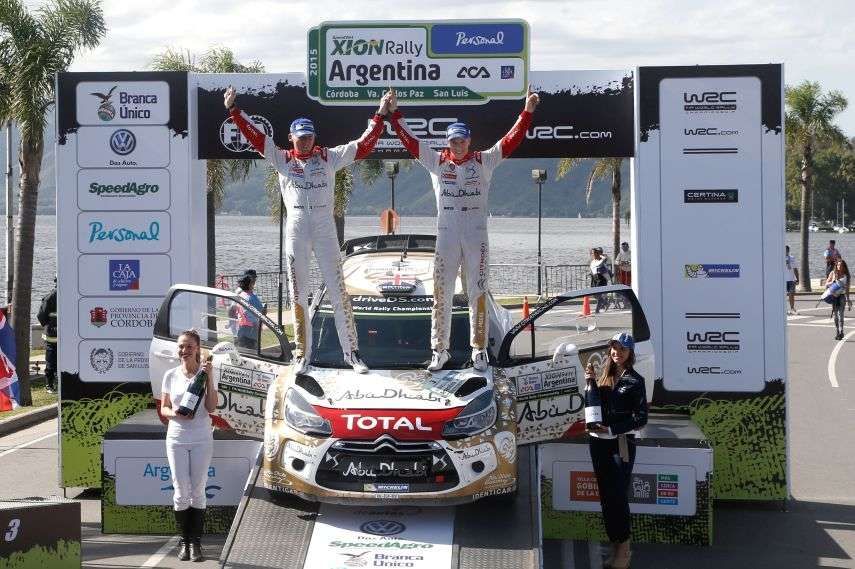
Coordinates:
383 527
106 110
233 140
508 71
124 274
98 316
101 359
123 142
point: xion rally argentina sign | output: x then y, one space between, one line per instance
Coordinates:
437 62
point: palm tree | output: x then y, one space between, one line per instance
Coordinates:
219 172
34 47
602 169
809 122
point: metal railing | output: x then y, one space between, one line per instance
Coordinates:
505 279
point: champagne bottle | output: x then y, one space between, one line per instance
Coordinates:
195 392
593 404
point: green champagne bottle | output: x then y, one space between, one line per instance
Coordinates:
195 392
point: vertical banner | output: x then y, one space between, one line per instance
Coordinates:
708 208
130 222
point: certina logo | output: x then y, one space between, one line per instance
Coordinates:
712 370
473 72
123 142
101 359
129 105
709 101
713 341
711 271
711 131
565 132
710 196
383 527
233 140
366 423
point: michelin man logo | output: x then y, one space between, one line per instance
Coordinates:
506 445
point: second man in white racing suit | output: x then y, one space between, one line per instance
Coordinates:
461 183
307 181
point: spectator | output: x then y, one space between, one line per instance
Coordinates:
624 265
247 335
601 274
791 277
837 283
47 318
831 255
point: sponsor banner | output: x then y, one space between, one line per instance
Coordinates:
108 103
123 275
711 271
368 424
345 537
548 417
246 379
146 481
710 196
667 489
124 232
110 317
553 381
467 62
581 114
123 147
126 190
114 360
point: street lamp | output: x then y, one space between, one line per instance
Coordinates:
539 176
391 167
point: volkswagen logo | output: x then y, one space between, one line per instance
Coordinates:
383 527
123 142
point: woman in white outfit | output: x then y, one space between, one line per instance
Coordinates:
189 443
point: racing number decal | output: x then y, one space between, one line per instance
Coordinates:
12 531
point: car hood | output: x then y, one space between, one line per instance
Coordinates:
395 389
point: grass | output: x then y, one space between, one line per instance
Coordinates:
41 398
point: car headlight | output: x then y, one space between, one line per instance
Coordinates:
301 416
478 416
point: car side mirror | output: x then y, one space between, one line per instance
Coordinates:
227 349
564 350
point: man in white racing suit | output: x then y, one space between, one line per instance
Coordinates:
461 182
307 181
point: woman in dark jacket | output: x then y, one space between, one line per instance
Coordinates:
612 442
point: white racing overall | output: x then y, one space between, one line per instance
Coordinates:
461 188
307 184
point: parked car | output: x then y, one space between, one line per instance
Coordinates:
401 433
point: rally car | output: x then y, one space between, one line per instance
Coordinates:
402 433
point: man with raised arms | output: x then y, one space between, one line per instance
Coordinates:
307 180
461 182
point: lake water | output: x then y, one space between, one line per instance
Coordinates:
252 242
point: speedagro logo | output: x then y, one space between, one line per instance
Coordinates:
123 142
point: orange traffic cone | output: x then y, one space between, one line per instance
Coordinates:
586 306
526 312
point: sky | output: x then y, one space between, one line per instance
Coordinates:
814 40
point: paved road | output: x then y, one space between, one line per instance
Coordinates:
817 530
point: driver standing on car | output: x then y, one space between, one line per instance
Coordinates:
307 179
461 182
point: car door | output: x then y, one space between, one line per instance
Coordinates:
243 372
546 354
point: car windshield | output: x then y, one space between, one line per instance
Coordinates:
393 331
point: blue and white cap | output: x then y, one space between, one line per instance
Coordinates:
625 339
457 130
302 127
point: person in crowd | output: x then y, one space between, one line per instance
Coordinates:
612 442
189 443
601 275
234 312
831 254
461 183
47 318
252 273
306 180
624 265
838 281
791 278
247 321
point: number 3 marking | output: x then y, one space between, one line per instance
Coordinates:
12 532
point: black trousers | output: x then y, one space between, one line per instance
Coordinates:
613 478
50 364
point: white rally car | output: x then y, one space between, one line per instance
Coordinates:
401 433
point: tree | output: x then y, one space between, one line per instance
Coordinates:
219 172
34 47
602 169
809 121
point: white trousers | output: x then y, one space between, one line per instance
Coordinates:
188 465
303 233
461 239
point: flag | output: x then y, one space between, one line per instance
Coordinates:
9 393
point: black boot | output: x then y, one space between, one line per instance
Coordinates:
182 519
198 523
